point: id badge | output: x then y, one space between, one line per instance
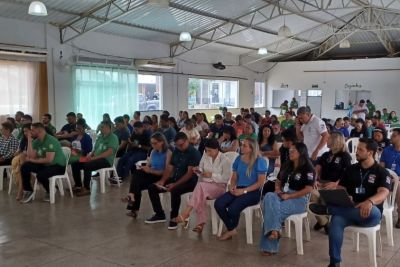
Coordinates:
286 188
360 190
393 168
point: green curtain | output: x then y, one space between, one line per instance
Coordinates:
100 89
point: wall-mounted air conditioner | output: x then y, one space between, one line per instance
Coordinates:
148 63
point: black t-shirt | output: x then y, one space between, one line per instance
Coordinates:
371 179
69 128
181 160
217 131
297 179
333 166
229 122
284 154
140 139
361 134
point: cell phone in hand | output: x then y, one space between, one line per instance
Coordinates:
143 164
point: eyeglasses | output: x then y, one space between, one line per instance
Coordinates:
291 150
154 142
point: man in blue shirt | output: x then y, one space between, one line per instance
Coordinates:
166 129
390 159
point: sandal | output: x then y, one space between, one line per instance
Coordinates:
267 253
181 219
274 235
199 228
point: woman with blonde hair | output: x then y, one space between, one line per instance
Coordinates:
329 170
248 176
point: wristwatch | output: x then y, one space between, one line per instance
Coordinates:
244 191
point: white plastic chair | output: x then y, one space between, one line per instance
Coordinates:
105 174
6 168
58 179
388 207
298 219
370 233
353 158
352 143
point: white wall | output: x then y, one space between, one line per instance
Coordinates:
372 74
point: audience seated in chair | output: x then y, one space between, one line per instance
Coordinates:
329 170
368 184
191 132
45 158
137 149
102 156
8 144
82 144
213 172
166 129
122 132
46 120
390 159
292 188
144 176
178 179
68 131
248 177
229 140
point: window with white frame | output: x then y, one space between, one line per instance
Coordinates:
149 92
259 94
212 94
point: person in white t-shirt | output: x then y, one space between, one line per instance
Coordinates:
312 131
361 110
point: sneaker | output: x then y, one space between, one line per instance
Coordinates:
172 225
334 264
318 209
156 219
46 197
83 192
76 189
27 197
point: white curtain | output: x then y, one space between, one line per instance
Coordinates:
19 88
99 90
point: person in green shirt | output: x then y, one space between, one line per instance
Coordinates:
288 121
284 107
385 115
101 157
46 120
25 119
294 104
248 132
44 157
371 108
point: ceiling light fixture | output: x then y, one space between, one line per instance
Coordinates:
284 31
37 8
159 3
262 51
344 44
185 37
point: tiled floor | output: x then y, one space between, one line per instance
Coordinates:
94 231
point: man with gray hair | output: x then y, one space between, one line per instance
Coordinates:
312 131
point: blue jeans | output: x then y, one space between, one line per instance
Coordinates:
128 161
275 211
229 207
343 217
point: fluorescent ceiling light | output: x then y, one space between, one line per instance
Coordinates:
37 8
185 37
344 44
262 51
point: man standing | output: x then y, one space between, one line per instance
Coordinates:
368 184
46 120
312 131
101 157
177 179
390 159
360 110
44 157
